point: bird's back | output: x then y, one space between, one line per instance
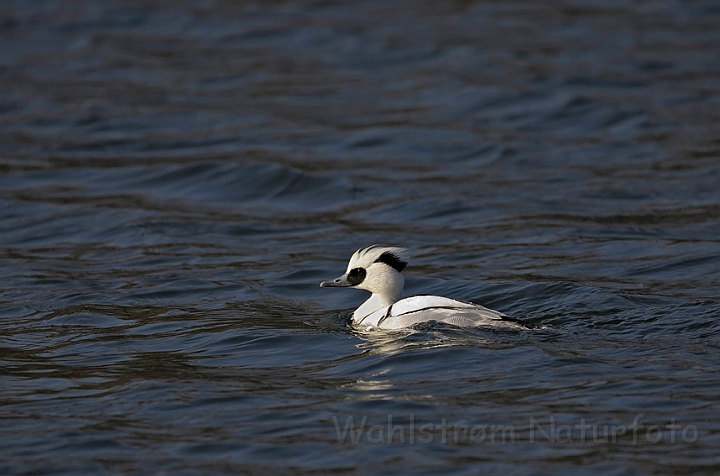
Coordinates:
416 309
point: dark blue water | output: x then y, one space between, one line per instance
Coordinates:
176 180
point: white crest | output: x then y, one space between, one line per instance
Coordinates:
365 257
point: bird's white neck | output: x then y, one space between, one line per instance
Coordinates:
390 294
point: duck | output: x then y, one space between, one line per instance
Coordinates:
378 269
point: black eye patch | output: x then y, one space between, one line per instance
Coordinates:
356 276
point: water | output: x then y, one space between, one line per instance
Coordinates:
175 181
